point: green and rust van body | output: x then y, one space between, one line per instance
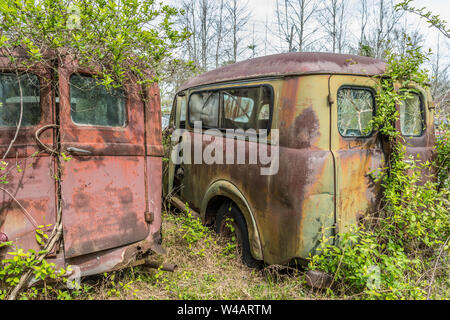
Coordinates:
323 184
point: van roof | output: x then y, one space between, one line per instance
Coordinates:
293 63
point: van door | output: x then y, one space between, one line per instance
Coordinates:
357 152
103 185
27 189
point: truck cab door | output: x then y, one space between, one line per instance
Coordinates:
28 188
103 182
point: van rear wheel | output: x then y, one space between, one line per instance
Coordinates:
230 222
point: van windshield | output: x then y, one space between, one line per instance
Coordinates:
11 100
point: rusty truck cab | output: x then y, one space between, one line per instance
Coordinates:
315 108
93 154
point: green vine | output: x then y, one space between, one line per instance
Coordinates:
402 250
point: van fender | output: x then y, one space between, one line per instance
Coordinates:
229 190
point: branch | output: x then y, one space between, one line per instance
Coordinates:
434 20
20 118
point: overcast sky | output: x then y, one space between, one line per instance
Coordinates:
263 18
263 10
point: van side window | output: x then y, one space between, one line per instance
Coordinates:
356 108
238 107
246 108
411 116
10 100
204 107
93 104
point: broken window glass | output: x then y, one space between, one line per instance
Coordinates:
411 117
93 104
11 99
355 111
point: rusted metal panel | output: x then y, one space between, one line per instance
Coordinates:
34 190
154 173
103 203
29 198
293 208
294 63
153 116
105 194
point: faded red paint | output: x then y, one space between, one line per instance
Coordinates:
105 195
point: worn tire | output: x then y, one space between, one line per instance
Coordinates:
228 210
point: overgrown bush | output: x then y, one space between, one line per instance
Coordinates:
402 251
44 273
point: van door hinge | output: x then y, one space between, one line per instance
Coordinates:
330 100
149 217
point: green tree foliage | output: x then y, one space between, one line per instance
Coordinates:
119 40
118 36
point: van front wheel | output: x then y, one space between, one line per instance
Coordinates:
229 223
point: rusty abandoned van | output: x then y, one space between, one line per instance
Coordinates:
108 145
309 110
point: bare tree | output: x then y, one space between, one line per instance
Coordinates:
239 16
364 16
206 23
440 85
189 21
199 21
286 28
333 20
303 14
221 32
387 21
295 23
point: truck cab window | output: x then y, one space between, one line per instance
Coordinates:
11 100
93 104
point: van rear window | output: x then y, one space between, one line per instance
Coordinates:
411 116
93 104
356 108
11 100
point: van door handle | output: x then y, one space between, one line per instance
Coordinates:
78 150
